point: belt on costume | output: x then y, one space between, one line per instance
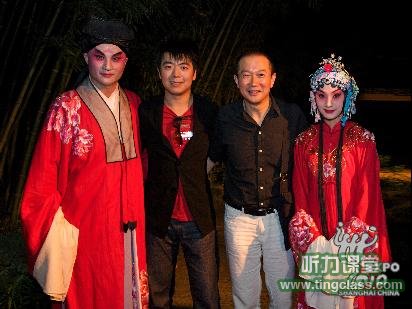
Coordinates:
255 212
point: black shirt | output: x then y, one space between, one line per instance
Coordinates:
252 153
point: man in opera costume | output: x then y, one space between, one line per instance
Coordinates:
82 208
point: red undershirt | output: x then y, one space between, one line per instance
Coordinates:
181 210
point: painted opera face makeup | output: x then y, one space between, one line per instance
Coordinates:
106 64
325 97
329 101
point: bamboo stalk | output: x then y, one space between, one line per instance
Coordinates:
10 43
3 9
6 175
217 41
17 106
205 43
10 171
15 68
15 199
15 202
10 24
229 56
23 105
218 56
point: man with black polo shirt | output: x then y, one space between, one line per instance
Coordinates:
252 139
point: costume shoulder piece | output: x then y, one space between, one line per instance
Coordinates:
307 136
119 145
356 134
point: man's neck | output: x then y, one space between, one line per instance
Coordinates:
257 111
179 104
106 90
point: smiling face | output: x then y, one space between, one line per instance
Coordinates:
177 75
329 101
106 64
255 78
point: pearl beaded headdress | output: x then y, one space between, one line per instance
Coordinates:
332 72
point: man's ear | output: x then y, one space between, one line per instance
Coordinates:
236 80
86 58
194 75
272 80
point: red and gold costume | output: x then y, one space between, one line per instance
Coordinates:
362 204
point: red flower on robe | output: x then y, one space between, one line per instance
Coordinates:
65 119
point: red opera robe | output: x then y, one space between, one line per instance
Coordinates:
80 165
361 193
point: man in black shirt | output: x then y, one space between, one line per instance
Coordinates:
253 139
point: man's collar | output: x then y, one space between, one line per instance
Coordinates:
273 111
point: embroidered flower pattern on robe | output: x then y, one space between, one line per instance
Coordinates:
65 119
356 135
328 170
302 232
329 163
357 226
144 288
353 136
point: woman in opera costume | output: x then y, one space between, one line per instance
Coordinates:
82 208
340 217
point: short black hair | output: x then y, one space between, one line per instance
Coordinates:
249 51
179 48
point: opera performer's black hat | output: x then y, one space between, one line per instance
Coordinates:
100 31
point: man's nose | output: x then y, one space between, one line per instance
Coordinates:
253 79
107 65
176 71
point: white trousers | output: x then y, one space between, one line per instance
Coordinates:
248 239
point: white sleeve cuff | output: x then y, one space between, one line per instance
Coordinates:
54 265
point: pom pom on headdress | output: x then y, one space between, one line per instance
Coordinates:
332 72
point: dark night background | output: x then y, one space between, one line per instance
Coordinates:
39 57
372 38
